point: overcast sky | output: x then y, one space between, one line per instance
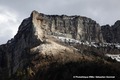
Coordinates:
12 12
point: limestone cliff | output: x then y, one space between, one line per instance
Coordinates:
77 27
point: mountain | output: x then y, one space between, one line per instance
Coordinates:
58 47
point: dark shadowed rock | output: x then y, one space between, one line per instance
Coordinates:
111 33
107 33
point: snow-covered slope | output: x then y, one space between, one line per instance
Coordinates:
93 44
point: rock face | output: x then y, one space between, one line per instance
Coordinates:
111 34
77 27
107 33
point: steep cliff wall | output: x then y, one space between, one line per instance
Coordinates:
77 27
111 34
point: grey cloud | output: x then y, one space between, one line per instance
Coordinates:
8 24
7 36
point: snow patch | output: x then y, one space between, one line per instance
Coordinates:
114 56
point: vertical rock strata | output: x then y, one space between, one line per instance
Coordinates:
77 27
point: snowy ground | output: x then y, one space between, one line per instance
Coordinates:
114 56
94 44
